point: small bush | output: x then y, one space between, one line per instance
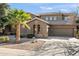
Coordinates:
13 33
22 36
77 34
4 39
77 21
30 35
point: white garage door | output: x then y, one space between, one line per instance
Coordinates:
61 32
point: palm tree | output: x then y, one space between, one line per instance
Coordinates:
18 17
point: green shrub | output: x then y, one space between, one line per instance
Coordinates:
23 36
77 34
77 21
30 35
12 33
4 39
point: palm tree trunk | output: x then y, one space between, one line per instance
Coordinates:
18 33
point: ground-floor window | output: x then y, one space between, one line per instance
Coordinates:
38 29
33 29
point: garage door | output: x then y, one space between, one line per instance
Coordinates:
61 32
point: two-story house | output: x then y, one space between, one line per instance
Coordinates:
52 24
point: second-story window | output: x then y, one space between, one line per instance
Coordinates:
51 18
47 18
65 19
54 17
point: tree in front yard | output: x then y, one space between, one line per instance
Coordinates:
17 18
3 13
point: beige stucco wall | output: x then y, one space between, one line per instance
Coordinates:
43 28
59 18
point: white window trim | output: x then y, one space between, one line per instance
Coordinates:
47 18
66 19
51 18
55 18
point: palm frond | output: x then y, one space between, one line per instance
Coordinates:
25 25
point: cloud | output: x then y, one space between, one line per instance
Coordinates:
74 5
45 8
65 10
77 4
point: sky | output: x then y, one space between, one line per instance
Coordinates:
45 7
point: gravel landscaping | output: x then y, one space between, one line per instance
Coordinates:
46 47
30 45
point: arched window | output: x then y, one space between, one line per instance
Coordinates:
77 27
38 29
33 29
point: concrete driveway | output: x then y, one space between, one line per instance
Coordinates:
56 38
61 38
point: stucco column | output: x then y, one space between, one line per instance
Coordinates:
47 30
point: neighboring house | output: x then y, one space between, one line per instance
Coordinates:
52 24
